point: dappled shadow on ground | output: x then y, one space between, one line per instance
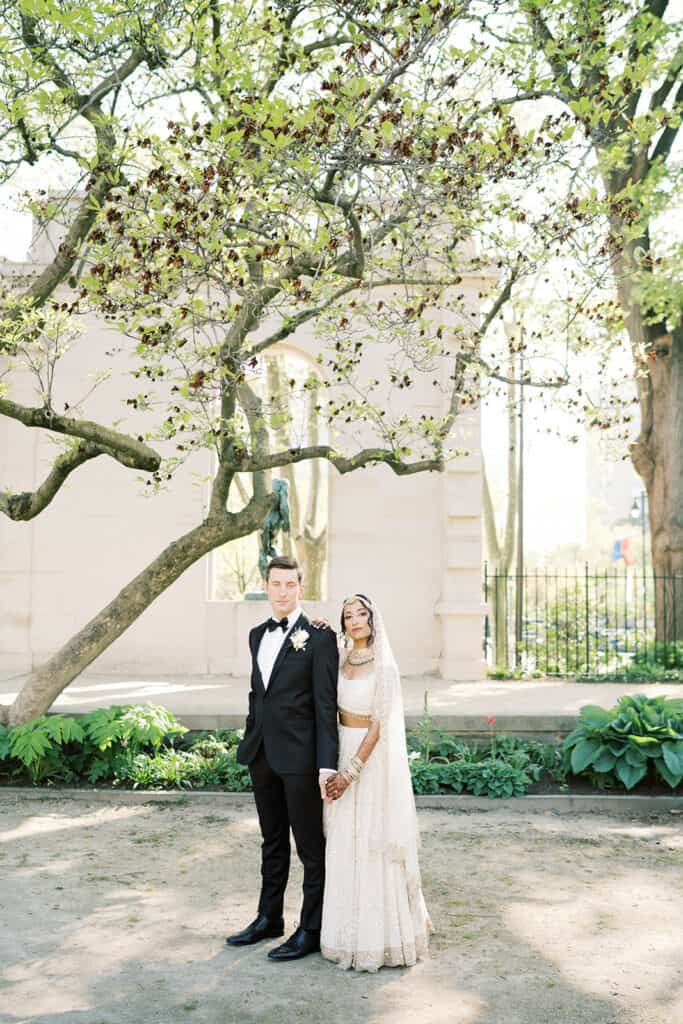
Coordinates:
117 915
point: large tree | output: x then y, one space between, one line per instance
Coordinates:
319 172
616 68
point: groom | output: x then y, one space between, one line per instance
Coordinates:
290 745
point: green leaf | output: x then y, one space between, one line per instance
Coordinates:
101 726
5 746
634 757
672 778
629 774
64 730
583 754
594 716
604 760
573 737
673 756
30 742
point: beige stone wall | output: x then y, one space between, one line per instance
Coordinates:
414 543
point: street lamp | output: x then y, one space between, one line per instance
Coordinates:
639 514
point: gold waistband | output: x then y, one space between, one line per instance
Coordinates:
353 721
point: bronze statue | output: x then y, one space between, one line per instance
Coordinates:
276 520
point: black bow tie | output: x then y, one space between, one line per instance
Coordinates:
275 624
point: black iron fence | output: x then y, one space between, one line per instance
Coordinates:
570 621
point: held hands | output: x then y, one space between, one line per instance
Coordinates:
336 786
320 623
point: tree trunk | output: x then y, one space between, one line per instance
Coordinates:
501 553
658 457
657 454
49 680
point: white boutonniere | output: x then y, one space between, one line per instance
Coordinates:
299 639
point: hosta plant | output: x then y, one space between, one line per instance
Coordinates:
639 737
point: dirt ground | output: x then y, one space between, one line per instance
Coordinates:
116 914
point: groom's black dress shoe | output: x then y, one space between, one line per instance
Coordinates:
260 928
301 943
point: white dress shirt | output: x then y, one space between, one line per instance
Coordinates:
269 648
271 642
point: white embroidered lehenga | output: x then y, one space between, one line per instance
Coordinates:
374 913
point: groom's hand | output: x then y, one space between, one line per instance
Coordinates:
324 775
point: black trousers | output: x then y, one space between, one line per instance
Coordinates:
285 801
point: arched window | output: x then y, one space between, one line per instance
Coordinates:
287 385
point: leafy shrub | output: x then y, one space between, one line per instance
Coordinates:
502 766
640 735
39 746
427 776
168 768
98 745
668 655
188 769
514 672
637 672
118 734
498 778
487 776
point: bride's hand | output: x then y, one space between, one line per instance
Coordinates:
337 786
320 623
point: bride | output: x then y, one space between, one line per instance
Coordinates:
374 913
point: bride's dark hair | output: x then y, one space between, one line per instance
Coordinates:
367 604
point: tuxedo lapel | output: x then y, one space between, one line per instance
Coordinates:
285 649
258 636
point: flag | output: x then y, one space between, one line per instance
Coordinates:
622 549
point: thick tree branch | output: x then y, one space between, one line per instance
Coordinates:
127 450
343 463
43 286
28 504
660 95
88 106
559 67
666 140
112 81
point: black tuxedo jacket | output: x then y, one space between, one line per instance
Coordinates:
295 718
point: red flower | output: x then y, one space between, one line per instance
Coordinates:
490 719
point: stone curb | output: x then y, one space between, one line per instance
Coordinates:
557 802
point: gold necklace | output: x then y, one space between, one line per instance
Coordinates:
362 661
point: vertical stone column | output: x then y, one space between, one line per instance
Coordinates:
461 609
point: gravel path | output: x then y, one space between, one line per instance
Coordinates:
115 914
